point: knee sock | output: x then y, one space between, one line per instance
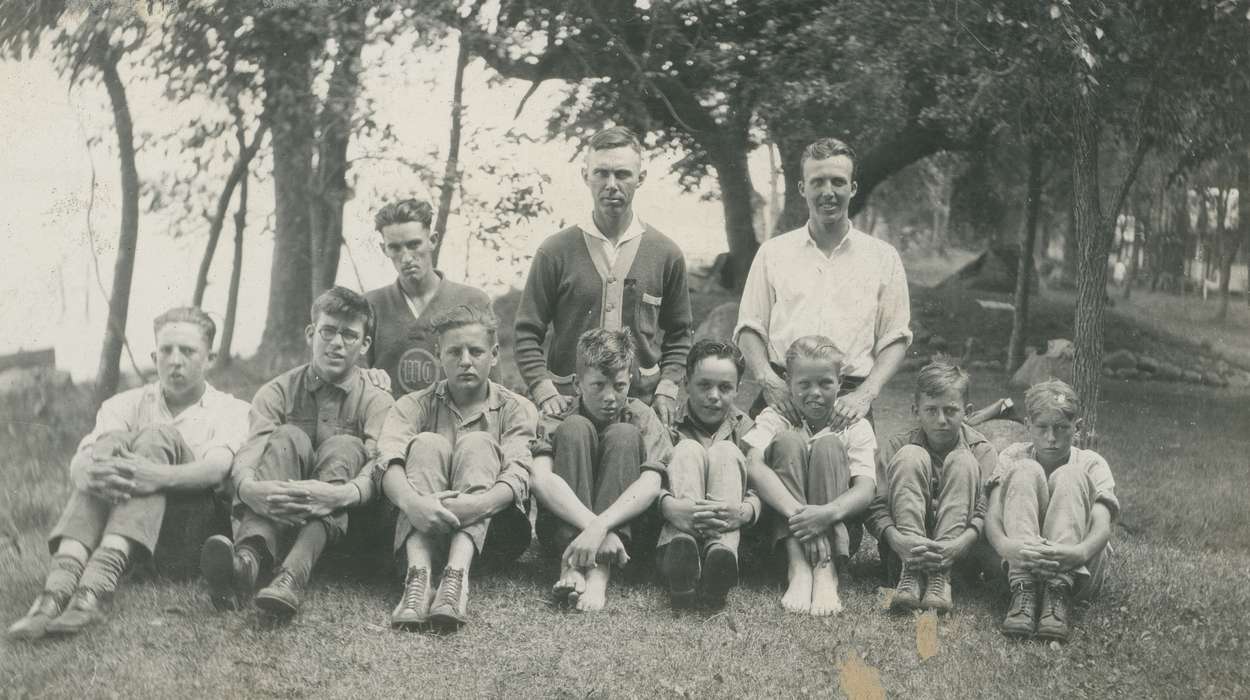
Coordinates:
63 576
308 546
103 571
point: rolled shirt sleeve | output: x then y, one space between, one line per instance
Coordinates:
755 307
1104 484
893 307
117 414
368 481
768 425
268 411
861 448
517 435
657 444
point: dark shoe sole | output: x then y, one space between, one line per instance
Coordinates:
275 605
1053 635
720 573
73 625
1017 632
217 566
446 619
681 568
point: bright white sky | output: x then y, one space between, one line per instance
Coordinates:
50 291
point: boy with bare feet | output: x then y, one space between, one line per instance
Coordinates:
456 459
929 511
817 477
312 430
1050 515
707 503
598 467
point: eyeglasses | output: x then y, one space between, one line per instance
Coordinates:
349 337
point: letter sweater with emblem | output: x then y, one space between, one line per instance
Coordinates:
403 344
567 293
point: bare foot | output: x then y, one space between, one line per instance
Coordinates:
596 594
798 597
572 584
825 600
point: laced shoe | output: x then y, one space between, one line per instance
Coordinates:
413 609
907 592
1021 619
447 611
1055 620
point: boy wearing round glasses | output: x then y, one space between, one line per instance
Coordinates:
312 429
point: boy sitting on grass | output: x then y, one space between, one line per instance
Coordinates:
146 479
456 462
707 503
818 476
929 511
598 468
1050 515
312 431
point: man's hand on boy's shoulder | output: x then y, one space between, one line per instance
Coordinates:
378 378
556 406
665 408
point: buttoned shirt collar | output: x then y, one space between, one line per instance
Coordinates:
841 246
685 419
314 382
493 402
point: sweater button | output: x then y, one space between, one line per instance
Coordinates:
611 280
611 306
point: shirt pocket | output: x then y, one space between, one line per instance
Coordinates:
646 310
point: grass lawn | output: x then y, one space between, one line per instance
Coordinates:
1174 621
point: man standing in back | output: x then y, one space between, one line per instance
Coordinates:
611 271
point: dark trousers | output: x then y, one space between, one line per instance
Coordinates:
598 466
163 525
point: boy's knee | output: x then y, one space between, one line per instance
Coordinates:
159 442
911 459
476 440
725 452
293 438
1069 478
960 463
427 445
344 446
790 442
574 428
621 435
689 451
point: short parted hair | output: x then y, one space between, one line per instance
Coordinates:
815 347
1052 394
466 315
605 350
939 377
188 314
344 303
828 147
402 212
615 137
709 347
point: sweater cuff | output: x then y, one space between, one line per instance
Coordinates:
543 390
667 388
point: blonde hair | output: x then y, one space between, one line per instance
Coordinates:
1052 395
815 347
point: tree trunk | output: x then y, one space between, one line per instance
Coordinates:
1140 225
289 110
794 207
451 171
1024 268
335 128
1093 247
108 374
242 162
236 272
736 193
1232 239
